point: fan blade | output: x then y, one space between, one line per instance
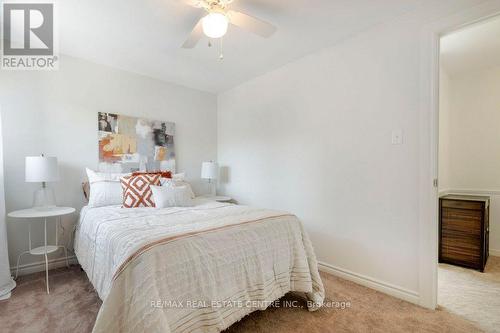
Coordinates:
194 37
251 24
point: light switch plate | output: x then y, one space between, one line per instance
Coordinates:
397 137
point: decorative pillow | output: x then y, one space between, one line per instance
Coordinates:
136 190
105 188
178 180
163 174
179 196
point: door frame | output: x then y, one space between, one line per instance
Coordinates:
429 141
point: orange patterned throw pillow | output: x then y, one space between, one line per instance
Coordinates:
164 174
136 190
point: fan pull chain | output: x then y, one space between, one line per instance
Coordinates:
221 53
221 56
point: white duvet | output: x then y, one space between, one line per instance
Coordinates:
192 269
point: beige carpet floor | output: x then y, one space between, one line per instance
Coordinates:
472 294
73 305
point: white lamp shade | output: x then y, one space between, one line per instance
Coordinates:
41 169
209 170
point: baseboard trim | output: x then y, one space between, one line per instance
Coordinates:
495 253
386 288
39 266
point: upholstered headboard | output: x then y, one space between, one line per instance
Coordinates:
86 190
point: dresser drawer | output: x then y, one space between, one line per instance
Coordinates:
460 246
462 204
461 220
460 255
460 240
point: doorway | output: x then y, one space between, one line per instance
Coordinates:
469 173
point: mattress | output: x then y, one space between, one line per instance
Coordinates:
192 269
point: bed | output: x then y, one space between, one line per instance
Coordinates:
192 269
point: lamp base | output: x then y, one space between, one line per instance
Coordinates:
212 190
44 197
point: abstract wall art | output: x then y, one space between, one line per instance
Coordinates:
130 143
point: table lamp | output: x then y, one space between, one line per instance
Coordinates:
42 169
210 171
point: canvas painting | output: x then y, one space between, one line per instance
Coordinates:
131 144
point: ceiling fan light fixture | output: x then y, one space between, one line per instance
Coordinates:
215 25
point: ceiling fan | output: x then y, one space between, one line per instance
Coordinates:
215 23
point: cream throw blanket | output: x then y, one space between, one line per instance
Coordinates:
192 269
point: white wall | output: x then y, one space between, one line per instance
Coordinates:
56 113
472 124
314 138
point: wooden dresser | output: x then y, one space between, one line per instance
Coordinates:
464 230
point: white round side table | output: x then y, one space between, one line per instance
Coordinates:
36 214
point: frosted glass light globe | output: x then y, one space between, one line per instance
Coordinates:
215 25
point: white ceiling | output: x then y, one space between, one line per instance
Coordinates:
145 36
473 48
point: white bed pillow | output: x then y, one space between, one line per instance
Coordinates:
171 196
105 188
177 180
